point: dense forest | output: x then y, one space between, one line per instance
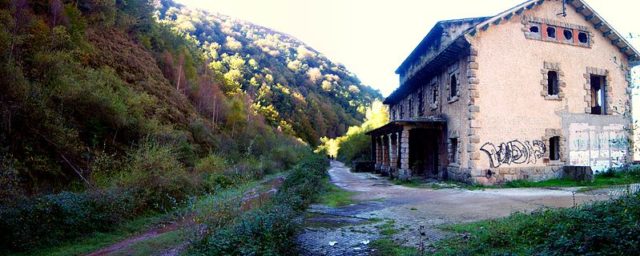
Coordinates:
293 86
112 109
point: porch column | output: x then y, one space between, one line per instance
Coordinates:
405 171
378 144
393 151
385 154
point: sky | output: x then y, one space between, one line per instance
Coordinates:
372 37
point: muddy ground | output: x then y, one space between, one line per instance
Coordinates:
415 213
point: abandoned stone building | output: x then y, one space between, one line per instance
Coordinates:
520 95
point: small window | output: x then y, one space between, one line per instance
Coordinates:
554 148
534 29
453 86
434 94
583 37
420 103
551 32
411 114
598 95
453 154
552 83
401 111
568 34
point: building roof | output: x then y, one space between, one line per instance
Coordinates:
420 122
484 23
433 35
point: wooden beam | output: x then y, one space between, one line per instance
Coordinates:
520 11
580 8
530 6
606 34
598 25
508 17
485 27
589 17
473 32
615 41
497 21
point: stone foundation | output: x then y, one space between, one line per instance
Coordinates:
458 174
404 174
502 175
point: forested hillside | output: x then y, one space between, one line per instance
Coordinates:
295 87
110 110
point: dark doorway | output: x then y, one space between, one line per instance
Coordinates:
424 145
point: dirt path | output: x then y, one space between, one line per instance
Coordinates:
250 199
348 230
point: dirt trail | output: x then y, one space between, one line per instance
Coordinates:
348 230
251 199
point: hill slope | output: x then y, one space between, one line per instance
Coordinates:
291 84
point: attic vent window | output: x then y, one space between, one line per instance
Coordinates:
534 29
568 34
583 38
551 32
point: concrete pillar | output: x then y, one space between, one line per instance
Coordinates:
405 171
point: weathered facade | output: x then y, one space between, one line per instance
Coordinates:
520 95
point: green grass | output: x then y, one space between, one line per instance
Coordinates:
601 180
336 196
388 247
155 245
609 228
99 240
388 228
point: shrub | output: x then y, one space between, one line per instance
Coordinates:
268 230
157 176
50 219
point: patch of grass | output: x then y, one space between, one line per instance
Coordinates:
388 247
336 196
154 246
607 228
100 240
388 228
601 180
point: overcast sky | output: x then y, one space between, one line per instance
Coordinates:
371 38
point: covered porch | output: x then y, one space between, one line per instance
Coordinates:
410 148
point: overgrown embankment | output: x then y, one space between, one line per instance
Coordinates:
603 228
267 230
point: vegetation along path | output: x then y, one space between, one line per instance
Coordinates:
384 213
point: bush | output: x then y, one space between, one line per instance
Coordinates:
157 176
603 228
50 219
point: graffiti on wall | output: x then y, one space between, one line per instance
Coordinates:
514 152
600 147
